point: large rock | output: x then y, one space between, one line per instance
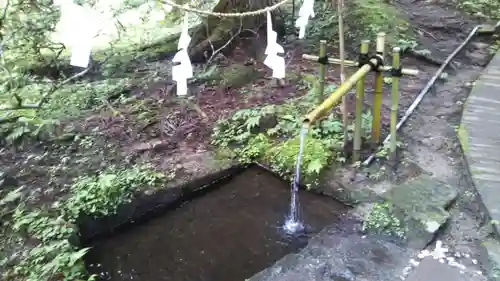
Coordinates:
491 258
421 204
342 253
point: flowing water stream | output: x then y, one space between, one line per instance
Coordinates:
293 223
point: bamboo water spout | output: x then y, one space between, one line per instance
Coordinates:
336 97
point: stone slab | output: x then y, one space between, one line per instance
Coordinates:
342 253
490 260
432 270
479 135
421 203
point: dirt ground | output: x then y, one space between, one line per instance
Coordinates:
177 129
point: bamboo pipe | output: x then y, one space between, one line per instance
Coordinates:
377 97
396 64
335 98
360 97
405 71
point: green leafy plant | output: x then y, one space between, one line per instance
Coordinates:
362 19
101 195
384 150
316 155
239 127
382 220
53 257
488 9
255 148
270 134
50 232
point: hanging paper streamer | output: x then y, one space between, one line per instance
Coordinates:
182 70
75 17
273 60
305 12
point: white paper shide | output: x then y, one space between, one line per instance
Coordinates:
306 11
182 70
273 60
80 25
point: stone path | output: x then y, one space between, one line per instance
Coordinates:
479 135
432 270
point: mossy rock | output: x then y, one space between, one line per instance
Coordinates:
421 203
237 75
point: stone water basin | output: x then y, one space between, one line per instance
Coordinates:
229 233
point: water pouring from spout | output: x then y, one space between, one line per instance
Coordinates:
293 223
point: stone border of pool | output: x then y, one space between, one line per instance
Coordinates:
479 136
152 205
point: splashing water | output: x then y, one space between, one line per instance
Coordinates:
293 223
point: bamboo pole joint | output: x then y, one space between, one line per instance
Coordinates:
334 99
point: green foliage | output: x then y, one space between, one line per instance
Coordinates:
27 33
377 16
256 147
271 134
100 195
53 256
239 127
73 99
6 200
382 220
39 89
363 19
487 9
316 156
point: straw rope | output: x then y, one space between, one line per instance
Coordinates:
226 15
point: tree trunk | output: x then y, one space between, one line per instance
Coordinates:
216 33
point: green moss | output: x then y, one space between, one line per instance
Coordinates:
382 220
463 137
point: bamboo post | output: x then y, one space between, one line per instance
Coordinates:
343 106
322 68
396 65
377 98
360 95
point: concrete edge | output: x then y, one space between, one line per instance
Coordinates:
479 137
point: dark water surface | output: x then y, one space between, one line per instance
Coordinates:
228 234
